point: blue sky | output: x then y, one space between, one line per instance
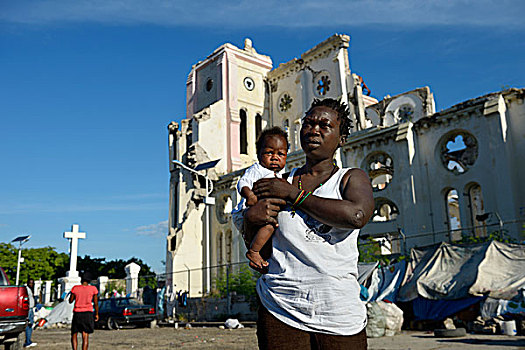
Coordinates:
88 88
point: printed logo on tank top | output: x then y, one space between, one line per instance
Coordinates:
317 231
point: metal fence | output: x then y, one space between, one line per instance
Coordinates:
400 242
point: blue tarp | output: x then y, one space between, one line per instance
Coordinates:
427 309
385 282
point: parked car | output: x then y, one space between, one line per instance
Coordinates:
116 312
14 307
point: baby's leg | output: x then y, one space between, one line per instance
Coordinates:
250 197
263 235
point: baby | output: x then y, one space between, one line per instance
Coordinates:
272 149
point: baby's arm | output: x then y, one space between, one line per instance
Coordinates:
250 197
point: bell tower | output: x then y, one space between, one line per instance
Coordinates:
226 96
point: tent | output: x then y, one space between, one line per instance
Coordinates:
451 271
62 313
365 270
385 282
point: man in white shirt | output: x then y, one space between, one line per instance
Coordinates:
30 286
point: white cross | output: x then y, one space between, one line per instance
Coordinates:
74 236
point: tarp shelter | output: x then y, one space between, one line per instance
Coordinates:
451 272
365 270
425 309
385 282
62 313
502 273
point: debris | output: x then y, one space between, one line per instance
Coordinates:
509 328
376 321
393 318
450 333
449 324
490 326
233 323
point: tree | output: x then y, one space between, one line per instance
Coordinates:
47 264
115 269
242 282
39 263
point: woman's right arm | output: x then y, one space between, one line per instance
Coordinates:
264 212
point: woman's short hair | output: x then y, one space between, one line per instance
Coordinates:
86 277
273 131
342 110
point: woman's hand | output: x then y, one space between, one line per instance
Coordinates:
264 212
275 188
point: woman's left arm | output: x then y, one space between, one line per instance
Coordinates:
353 211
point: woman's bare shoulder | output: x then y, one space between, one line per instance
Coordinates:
354 177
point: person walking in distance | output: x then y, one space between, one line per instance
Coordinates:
85 297
30 286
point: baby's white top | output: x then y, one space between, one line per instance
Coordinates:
254 173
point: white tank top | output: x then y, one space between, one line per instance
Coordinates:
312 279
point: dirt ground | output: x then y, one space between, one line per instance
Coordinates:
216 338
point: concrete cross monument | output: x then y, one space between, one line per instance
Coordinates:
73 236
72 278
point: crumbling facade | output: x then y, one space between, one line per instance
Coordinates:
436 176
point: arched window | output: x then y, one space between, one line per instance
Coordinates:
258 125
223 208
189 140
475 197
286 125
296 137
172 243
220 255
228 247
453 214
243 132
380 168
384 210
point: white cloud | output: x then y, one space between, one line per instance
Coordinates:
154 230
249 14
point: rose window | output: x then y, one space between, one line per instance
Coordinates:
459 152
323 85
405 113
285 103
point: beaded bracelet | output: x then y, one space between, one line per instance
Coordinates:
299 200
299 197
302 200
301 194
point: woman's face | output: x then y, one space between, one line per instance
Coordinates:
320 135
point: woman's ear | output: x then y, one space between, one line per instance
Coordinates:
342 141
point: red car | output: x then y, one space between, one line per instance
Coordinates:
14 307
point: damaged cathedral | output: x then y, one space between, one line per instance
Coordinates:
437 176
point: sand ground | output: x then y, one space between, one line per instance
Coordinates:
216 338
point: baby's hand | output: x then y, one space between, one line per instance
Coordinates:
251 200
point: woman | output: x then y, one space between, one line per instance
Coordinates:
310 294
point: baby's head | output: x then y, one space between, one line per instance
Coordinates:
272 148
